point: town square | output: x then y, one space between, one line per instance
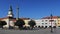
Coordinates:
29 16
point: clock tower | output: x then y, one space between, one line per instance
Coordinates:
10 13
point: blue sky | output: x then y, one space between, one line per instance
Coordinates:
31 8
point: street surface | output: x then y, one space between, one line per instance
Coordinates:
40 31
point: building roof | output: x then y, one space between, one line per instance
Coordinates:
14 19
49 17
25 18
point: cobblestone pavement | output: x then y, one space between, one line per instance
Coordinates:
40 31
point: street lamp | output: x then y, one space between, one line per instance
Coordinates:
51 23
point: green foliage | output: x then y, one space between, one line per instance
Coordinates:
20 23
3 23
32 23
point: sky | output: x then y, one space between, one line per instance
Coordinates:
31 8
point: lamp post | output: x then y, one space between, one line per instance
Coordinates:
51 23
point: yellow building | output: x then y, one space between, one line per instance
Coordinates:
26 20
58 23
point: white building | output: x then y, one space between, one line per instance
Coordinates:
46 22
9 19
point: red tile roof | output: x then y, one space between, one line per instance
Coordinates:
14 19
25 18
48 17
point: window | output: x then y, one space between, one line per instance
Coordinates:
58 20
42 20
55 23
58 23
35 26
42 23
49 26
38 26
45 26
54 20
42 26
45 23
46 20
54 26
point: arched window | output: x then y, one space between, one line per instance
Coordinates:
45 26
42 26
35 26
38 26
54 26
49 26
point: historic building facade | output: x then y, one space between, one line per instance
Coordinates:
10 20
58 23
43 22
46 22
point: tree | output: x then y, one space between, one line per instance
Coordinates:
2 23
20 23
32 23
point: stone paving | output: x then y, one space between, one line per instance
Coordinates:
40 31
